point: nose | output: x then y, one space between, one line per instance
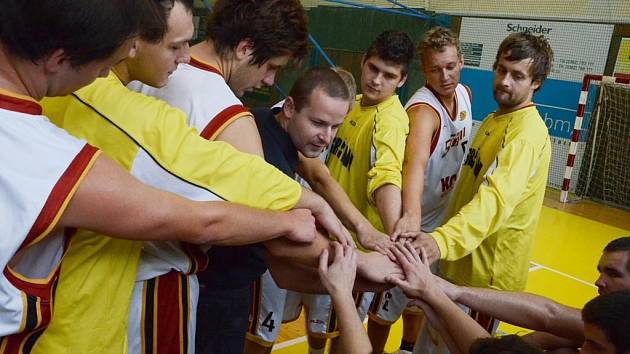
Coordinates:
327 135
600 283
184 57
269 79
443 74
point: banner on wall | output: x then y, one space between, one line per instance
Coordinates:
579 48
622 66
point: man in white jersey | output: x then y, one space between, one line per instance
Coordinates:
53 181
221 69
440 119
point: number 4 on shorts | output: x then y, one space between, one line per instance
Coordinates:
269 322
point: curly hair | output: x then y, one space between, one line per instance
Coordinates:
438 38
274 27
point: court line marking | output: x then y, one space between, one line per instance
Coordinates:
564 274
535 266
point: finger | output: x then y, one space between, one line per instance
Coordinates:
395 235
323 262
414 253
338 249
402 260
423 256
393 278
402 247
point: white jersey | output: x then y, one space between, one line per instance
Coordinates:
202 93
448 148
40 168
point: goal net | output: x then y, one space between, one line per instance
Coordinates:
605 169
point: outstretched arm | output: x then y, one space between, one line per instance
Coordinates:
521 309
112 202
423 122
319 178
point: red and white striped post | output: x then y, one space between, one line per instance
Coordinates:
577 127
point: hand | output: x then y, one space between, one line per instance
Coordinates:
374 240
302 225
326 217
431 248
417 279
376 267
407 227
338 278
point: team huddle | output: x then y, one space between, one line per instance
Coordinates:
146 210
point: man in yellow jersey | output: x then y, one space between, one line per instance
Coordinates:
493 215
143 134
367 153
54 183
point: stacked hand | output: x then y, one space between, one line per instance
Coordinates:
338 277
417 279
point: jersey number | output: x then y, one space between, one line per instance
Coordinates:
269 322
388 296
464 146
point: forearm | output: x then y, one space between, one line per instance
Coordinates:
318 177
305 278
306 254
549 342
354 339
463 329
525 310
388 203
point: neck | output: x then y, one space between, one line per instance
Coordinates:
282 120
21 76
366 102
122 72
505 110
206 52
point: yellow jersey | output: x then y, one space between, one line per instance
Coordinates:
495 208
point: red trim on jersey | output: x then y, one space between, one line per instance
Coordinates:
171 317
469 93
436 135
60 192
217 123
21 105
450 114
204 66
198 259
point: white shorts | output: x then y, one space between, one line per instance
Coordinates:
430 342
272 306
163 315
387 306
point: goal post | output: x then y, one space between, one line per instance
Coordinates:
586 93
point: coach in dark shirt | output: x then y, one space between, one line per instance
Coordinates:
306 123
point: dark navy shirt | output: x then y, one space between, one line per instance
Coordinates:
238 266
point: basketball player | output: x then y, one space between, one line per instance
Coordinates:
440 120
53 181
494 211
366 155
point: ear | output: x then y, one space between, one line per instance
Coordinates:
244 50
536 84
55 61
288 108
403 80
